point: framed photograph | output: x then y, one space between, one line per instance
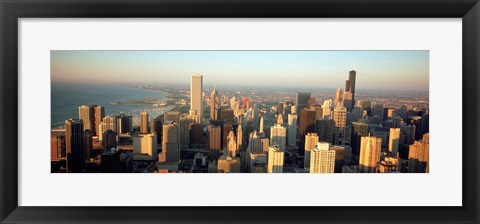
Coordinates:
239 111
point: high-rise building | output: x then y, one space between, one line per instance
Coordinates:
196 134
340 122
227 115
172 116
275 160
418 156
340 152
378 110
231 149
85 113
240 138
145 144
307 124
99 114
184 127
144 122
359 130
109 123
311 140
88 143
257 162
394 140
124 124
324 128
322 159
366 105
215 141
156 127
109 140
302 100
350 84
327 108
278 136
338 101
74 146
57 144
292 129
170 143
214 105
196 90
258 143
227 164
226 128
369 154
348 100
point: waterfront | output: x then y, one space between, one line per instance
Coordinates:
67 97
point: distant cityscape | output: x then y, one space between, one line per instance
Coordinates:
258 133
215 129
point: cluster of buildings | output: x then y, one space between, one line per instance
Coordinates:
233 133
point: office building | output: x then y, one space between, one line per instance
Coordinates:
258 143
307 125
311 140
227 164
394 140
196 91
292 129
109 140
74 146
322 158
278 136
215 141
184 127
85 113
88 143
99 114
214 105
145 144
302 100
170 143
144 122
418 156
275 160
57 144
324 129
370 149
172 116
109 123
340 122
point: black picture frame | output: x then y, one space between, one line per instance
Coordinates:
11 11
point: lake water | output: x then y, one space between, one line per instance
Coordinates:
66 98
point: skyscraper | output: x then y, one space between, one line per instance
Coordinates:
144 122
278 136
109 140
302 100
57 144
350 84
184 127
172 116
322 159
340 121
196 90
394 140
369 154
338 101
257 143
214 105
109 123
275 160
418 156
215 141
170 143
307 124
85 113
99 114
145 144
88 143
311 140
324 129
292 129
232 145
74 146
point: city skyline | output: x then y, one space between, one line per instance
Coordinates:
380 70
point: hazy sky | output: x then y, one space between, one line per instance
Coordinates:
395 70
